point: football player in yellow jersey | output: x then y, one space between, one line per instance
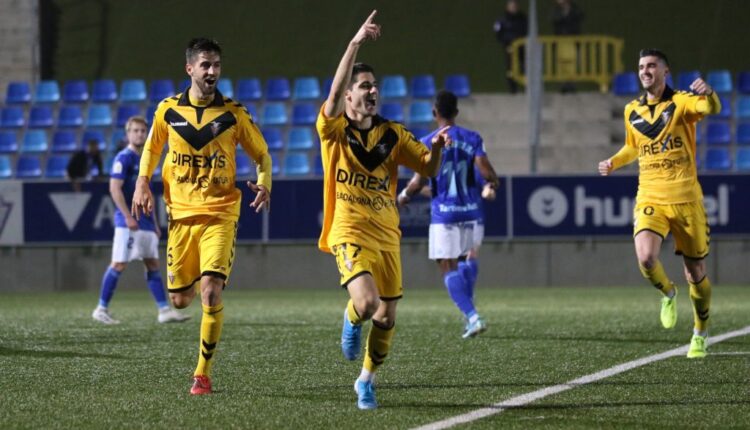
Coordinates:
660 134
361 152
201 128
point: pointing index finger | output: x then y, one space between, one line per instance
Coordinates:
372 15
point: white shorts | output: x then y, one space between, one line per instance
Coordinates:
131 245
478 235
451 240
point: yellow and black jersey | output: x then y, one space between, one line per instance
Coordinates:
199 169
661 135
360 170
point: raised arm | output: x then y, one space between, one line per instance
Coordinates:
335 102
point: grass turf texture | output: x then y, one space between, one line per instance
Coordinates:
279 364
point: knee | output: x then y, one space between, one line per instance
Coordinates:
211 288
367 306
118 266
647 260
385 322
695 271
181 301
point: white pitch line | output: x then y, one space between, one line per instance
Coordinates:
525 399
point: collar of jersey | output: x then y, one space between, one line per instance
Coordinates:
185 99
666 95
376 121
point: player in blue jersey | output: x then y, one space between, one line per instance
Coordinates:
456 207
134 239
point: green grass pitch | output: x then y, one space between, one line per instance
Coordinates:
279 364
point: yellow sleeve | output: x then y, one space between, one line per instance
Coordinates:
629 151
698 106
412 153
154 145
329 127
252 141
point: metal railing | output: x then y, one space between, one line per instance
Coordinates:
589 58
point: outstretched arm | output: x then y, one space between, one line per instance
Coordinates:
335 102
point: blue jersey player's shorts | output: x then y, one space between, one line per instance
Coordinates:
354 261
198 246
686 221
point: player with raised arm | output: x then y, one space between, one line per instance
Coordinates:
456 207
660 134
202 128
361 152
134 239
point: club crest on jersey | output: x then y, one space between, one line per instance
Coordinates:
666 116
170 275
215 128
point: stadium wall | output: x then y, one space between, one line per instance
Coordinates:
145 39
518 263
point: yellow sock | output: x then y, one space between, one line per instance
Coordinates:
658 278
700 295
211 323
378 345
352 314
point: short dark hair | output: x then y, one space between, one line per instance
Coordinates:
201 44
651 52
358 68
446 104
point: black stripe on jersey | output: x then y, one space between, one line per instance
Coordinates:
374 157
199 137
646 128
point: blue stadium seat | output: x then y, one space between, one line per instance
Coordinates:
718 133
161 89
419 132
278 89
57 166
117 140
184 85
743 107
458 84
249 89
296 164
274 114
252 110
124 112
104 91
626 84
225 87
423 87
301 138
11 117
668 80
273 138
684 79
306 88
150 111
726 109
327 83
743 133
420 112
8 142
64 141
28 167
18 93
133 90
393 111
720 81
304 114
244 166
743 82
718 159
99 115
6 171
70 116
405 172
34 141
318 165
393 87
94 134
276 166
47 92
742 159
40 116
76 91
